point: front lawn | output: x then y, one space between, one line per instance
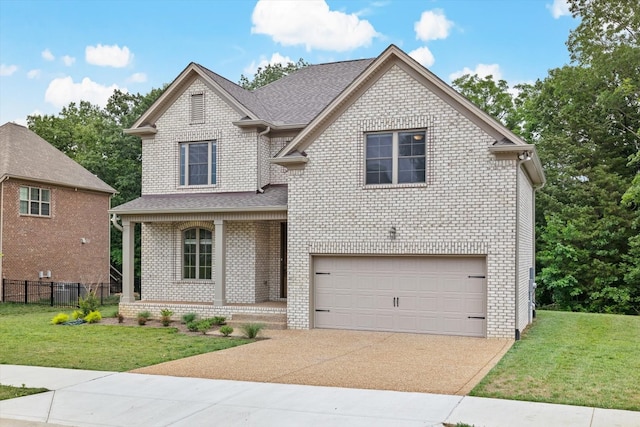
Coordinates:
28 338
572 358
9 392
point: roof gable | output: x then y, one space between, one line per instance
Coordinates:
25 155
377 68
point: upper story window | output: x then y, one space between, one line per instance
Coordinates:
197 253
198 163
35 201
197 108
395 157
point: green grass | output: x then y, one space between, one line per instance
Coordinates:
9 392
572 358
28 338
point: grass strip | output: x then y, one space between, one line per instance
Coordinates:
572 358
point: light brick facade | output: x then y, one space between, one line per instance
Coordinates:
473 203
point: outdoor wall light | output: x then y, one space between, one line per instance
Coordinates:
392 233
524 155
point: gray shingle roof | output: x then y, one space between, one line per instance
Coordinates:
298 97
273 198
23 154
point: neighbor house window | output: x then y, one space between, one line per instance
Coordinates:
197 254
197 108
395 157
198 163
35 201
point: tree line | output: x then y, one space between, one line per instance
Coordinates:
584 119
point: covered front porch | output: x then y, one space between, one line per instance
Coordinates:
210 254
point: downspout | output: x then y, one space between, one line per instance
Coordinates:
114 221
522 157
4 178
533 261
258 160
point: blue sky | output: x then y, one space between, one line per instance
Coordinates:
55 52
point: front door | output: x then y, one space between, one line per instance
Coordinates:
283 260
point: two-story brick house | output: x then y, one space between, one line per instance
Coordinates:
54 220
363 194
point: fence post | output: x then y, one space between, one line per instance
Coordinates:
52 299
101 293
26 291
78 300
4 285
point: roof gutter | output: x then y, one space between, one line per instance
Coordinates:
198 211
243 124
61 184
2 179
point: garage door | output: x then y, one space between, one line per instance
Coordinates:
435 295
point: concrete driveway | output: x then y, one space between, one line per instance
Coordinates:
352 359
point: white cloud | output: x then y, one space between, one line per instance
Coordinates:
68 60
47 55
137 78
34 74
7 70
559 8
276 58
108 56
433 25
63 90
312 24
482 70
423 55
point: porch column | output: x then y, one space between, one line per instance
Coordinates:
128 264
221 263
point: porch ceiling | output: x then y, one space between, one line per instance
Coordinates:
274 198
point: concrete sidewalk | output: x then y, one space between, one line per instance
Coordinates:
93 398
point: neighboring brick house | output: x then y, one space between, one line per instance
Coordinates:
366 194
54 221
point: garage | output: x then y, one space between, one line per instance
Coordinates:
434 295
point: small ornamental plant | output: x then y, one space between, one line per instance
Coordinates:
188 318
204 325
219 320
120 317
226 330
93 317
143 317
165 316
251 330
60 318
77 314
89 303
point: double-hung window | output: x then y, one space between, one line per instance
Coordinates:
35 201
395 157
198 163
197 254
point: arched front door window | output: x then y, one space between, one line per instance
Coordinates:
197 254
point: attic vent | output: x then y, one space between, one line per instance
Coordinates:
197 108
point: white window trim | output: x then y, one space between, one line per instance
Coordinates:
29 201
197 266
186 164
394 160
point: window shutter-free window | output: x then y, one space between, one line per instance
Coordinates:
395 157
198 163
35 201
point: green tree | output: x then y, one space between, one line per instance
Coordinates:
584 119
94 137
270 73
491 96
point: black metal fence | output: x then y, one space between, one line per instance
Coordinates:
51 293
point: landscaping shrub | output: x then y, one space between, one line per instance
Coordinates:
89 303
93 317
165 316
143 317
60 318
226 330
188 318
120 317
204 325
77 314
192 326
251 330
219 320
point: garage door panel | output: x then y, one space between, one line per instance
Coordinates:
409 294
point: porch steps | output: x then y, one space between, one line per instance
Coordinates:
269 320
